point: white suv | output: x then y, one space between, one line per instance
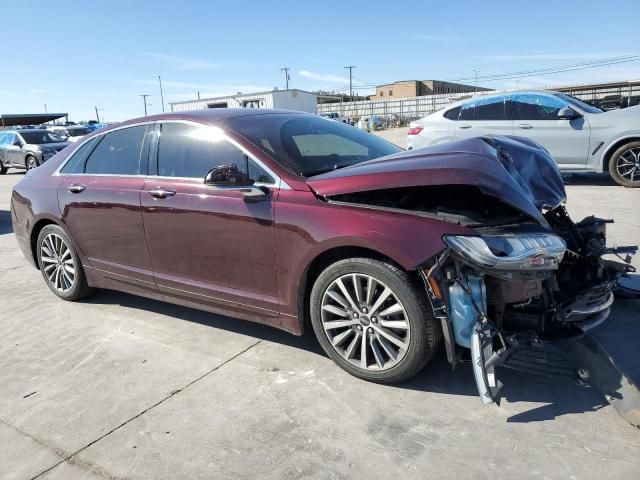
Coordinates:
580 137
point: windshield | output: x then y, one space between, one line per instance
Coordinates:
309 145
40 137
585 107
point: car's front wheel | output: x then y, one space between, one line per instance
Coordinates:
31 162
60 265
624 165
373 319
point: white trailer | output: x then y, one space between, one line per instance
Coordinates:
292 99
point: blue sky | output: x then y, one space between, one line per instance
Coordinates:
73 55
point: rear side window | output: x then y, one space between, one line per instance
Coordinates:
190 151
118 153
536 107
452 114
76 163
484 109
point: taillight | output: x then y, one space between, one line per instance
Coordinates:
416 130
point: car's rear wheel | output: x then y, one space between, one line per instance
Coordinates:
624 165
31 162
60 265
373 319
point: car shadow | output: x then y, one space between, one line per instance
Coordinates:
589 179
560 395
5 222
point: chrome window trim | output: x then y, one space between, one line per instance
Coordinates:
278 183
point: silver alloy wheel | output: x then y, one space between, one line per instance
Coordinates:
57 262
628 164
31 163
365 322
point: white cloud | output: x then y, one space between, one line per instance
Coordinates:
323 77
437 38
182 63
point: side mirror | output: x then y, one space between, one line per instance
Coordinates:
568 113
17 143
227 176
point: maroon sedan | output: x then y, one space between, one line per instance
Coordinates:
290 219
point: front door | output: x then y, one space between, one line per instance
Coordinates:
100 203
207 244
535 116
485 116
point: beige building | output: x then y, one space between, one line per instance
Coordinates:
418 88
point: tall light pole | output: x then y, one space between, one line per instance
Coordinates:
144 99
161 95
476 73
97 114
45 108
350 67
286 77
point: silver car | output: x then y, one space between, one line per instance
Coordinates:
580 137
28 148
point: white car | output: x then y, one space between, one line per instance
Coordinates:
335 116
580 137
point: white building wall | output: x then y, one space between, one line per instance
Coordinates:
287 99
295 100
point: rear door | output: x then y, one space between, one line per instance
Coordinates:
207 244
485 116
100 203
536 117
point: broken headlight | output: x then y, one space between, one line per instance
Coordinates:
540 251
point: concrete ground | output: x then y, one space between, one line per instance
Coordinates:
122 387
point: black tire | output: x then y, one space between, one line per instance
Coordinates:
31 162
624 154
424 335
79 287
3 169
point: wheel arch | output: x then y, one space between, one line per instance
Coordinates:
319 263
608 153
33 238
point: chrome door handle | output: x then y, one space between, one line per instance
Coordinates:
161 193
464 125
76 188
525 126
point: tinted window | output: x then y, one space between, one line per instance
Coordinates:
308 144
452 114
40 137
190 151
484 109
76 163
579 103
536 107
118 153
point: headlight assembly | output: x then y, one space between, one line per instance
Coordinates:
510 252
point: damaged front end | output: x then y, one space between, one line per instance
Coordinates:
509 293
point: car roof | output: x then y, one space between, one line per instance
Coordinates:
547 93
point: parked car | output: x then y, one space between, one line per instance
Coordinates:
76 132
28 148
580 137
335 116
286 219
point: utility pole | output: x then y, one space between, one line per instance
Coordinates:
198 95
350 67
286 77
476 73
144 99
45 108
161 95
97 115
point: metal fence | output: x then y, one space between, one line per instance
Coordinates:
400 111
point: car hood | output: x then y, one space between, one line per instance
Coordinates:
515 170
626 115
49 146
